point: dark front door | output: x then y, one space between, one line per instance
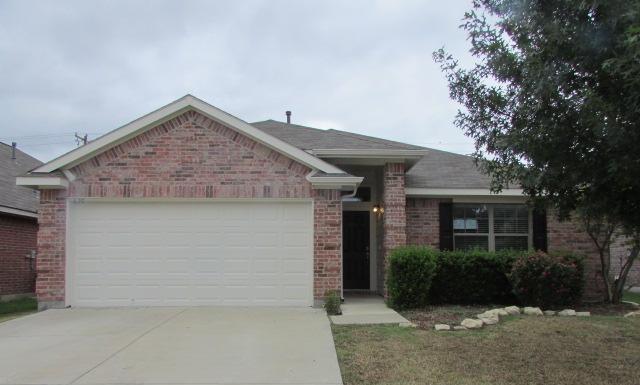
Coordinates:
355 249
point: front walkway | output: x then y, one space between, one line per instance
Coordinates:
367 309
199 345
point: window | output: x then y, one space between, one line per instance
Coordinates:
491 227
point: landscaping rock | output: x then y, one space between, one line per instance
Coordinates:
532 311
633 314
500 312
491 320
442 327
470 323
583 314
567 313
549 312
491 316
459 327
512 310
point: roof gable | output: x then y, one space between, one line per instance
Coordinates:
170 111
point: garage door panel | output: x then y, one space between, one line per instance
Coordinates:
170 254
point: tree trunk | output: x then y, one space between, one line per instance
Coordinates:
618 284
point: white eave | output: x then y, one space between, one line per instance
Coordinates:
368 153
42 181
170 111
334 182
371 157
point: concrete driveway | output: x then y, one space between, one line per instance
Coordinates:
213 345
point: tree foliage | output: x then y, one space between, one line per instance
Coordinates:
553 102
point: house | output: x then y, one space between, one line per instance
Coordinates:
189 205
18 224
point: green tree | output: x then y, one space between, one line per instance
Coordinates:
553 104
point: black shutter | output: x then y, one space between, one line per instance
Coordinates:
446 226
540 229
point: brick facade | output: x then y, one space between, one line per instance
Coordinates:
568 236
423 222
189 156
17 240
394 219
423 229
327 266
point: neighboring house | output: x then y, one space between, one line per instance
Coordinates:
18 224
189 205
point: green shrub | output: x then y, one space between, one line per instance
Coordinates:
332 302
409 275
548 281
473 277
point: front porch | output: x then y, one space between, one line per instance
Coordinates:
373 222
366 308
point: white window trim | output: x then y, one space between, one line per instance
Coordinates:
491 235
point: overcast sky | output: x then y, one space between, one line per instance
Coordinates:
360 66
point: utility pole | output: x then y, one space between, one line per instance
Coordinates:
81 140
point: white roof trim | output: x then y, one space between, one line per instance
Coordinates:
334 182
22 213
368 153
449 192
169 111
42 182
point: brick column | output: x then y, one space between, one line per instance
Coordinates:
327 243
394 217
50 260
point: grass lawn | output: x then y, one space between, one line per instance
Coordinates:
520 350
17 308
633 297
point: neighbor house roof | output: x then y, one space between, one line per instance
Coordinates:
16 199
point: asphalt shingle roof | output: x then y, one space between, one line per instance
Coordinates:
437 169
13 196
441 169
308 138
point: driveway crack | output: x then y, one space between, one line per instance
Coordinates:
127 345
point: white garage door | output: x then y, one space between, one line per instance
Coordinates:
190 253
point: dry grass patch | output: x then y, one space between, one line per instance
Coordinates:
521 350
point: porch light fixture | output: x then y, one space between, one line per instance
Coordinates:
377 209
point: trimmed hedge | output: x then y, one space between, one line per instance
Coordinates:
548 281
418 276
409 275
472 277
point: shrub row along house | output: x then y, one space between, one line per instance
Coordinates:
18 224
189 205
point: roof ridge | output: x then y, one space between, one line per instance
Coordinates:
292 124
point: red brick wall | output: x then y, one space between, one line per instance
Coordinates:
189 156
50 263
17 240
394 202
568 236
423 222
423 229
327 266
